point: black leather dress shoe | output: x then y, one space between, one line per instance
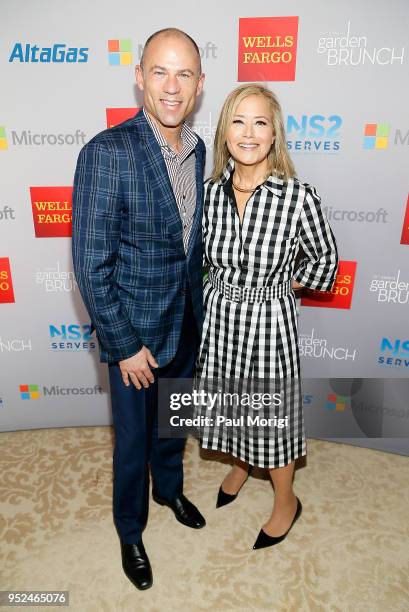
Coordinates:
184 511
136 565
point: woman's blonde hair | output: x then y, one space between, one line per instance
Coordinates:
279 159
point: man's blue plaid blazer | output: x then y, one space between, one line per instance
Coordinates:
128 255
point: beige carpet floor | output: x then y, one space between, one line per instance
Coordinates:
348 552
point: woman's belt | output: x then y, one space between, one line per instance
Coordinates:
237 293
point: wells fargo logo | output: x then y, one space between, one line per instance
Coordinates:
340 295
6 282
267 48
52 211
118 115
405 229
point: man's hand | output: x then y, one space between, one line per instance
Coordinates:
137 369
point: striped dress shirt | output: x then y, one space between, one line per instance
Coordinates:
182 173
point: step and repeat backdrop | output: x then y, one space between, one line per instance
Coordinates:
340 71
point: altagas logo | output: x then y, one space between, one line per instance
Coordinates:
267 48
52 211
58 53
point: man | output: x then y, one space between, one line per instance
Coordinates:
137 256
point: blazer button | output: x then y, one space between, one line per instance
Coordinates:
182 291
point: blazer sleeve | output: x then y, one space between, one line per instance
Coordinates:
318 269
97 204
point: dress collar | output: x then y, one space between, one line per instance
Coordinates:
273 183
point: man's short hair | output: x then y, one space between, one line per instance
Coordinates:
172 32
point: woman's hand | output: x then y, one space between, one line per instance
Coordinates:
296 285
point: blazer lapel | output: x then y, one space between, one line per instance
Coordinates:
158 178
197 217
160 184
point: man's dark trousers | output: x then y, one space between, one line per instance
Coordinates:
135 419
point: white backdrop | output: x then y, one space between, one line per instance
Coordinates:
342 78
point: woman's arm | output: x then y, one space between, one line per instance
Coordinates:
318 269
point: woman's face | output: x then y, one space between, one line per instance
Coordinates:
250 135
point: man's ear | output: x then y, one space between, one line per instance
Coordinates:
200 84
139 76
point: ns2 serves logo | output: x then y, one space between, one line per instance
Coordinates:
314 133
72 337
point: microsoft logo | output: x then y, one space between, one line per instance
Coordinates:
336 402
3 138
376 135
120 52
29 392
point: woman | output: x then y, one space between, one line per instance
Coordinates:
256 216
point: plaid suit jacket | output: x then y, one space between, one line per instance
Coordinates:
127 247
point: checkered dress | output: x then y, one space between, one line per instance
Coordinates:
251 316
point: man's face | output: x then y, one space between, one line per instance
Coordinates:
170 79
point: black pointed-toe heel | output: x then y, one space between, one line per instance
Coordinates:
226 498
264 540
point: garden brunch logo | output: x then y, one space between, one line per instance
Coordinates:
267 49
346 49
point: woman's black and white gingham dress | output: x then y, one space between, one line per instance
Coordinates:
257 337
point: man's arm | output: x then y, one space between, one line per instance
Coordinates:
97 202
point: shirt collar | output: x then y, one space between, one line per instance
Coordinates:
273 183
188 136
